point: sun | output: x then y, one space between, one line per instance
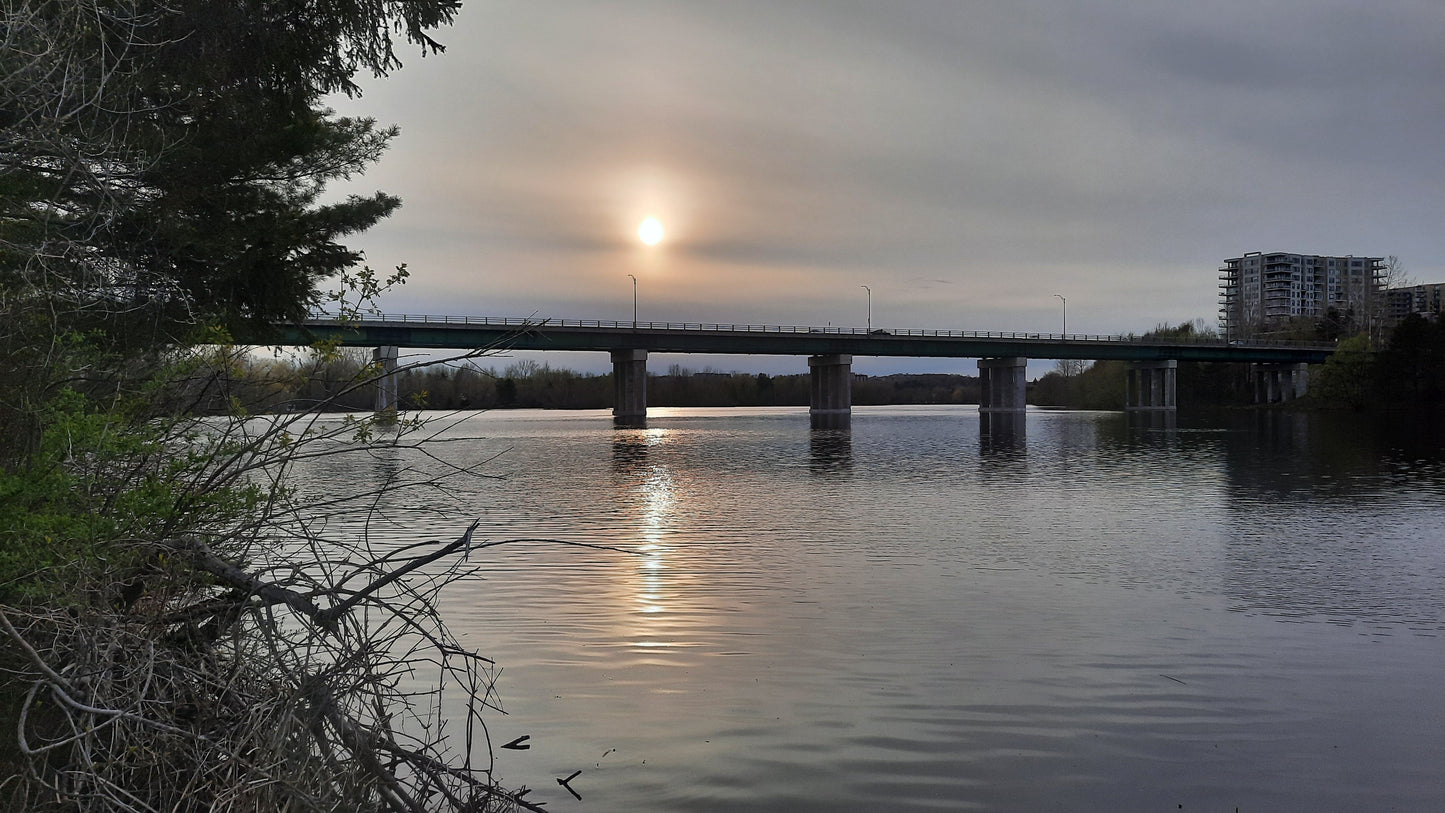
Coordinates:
650 232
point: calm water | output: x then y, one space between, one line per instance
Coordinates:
1238 613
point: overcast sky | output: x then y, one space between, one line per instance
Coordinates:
965 160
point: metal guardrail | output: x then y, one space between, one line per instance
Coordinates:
877 333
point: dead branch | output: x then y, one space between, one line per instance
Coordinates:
294 710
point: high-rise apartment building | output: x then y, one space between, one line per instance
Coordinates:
1427 300
1261 292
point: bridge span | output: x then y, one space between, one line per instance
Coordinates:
1279 368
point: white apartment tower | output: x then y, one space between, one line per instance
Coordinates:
1261 292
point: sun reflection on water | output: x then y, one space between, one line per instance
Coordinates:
659 500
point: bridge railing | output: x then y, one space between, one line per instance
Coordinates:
523 322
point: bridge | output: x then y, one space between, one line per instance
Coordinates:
1279 368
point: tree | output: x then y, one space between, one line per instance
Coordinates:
1344 380
1392 278
1334 325
1411 368
170 157
161 167
173 633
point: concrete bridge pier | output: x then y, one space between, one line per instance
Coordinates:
1151 385
385 358
1003 384
629 387
1276 383
830 403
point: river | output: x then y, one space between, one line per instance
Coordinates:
1243 612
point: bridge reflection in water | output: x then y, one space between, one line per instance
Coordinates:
830 451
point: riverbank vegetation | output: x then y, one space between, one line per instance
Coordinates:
1404 370
179 630
1407 371
1101 384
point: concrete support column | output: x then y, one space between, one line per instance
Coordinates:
629 386
1276 383
1301 380
1261 375
1003 384
386 357
1151 385
830 403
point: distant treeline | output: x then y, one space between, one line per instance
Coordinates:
344 380
533 385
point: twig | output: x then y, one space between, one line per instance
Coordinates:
567 783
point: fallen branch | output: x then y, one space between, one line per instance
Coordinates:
260 712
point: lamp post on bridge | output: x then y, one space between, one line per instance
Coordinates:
870 306
651 233
634 301
1064 335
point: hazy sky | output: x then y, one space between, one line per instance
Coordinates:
965 160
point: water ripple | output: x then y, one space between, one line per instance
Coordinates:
1236 614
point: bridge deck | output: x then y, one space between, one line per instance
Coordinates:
458 332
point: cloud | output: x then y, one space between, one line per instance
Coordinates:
967 160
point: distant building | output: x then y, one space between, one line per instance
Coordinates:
1426 300
1261 293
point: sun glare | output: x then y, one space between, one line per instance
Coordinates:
650 232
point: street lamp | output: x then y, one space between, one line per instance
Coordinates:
1064 331
634 301
870 306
